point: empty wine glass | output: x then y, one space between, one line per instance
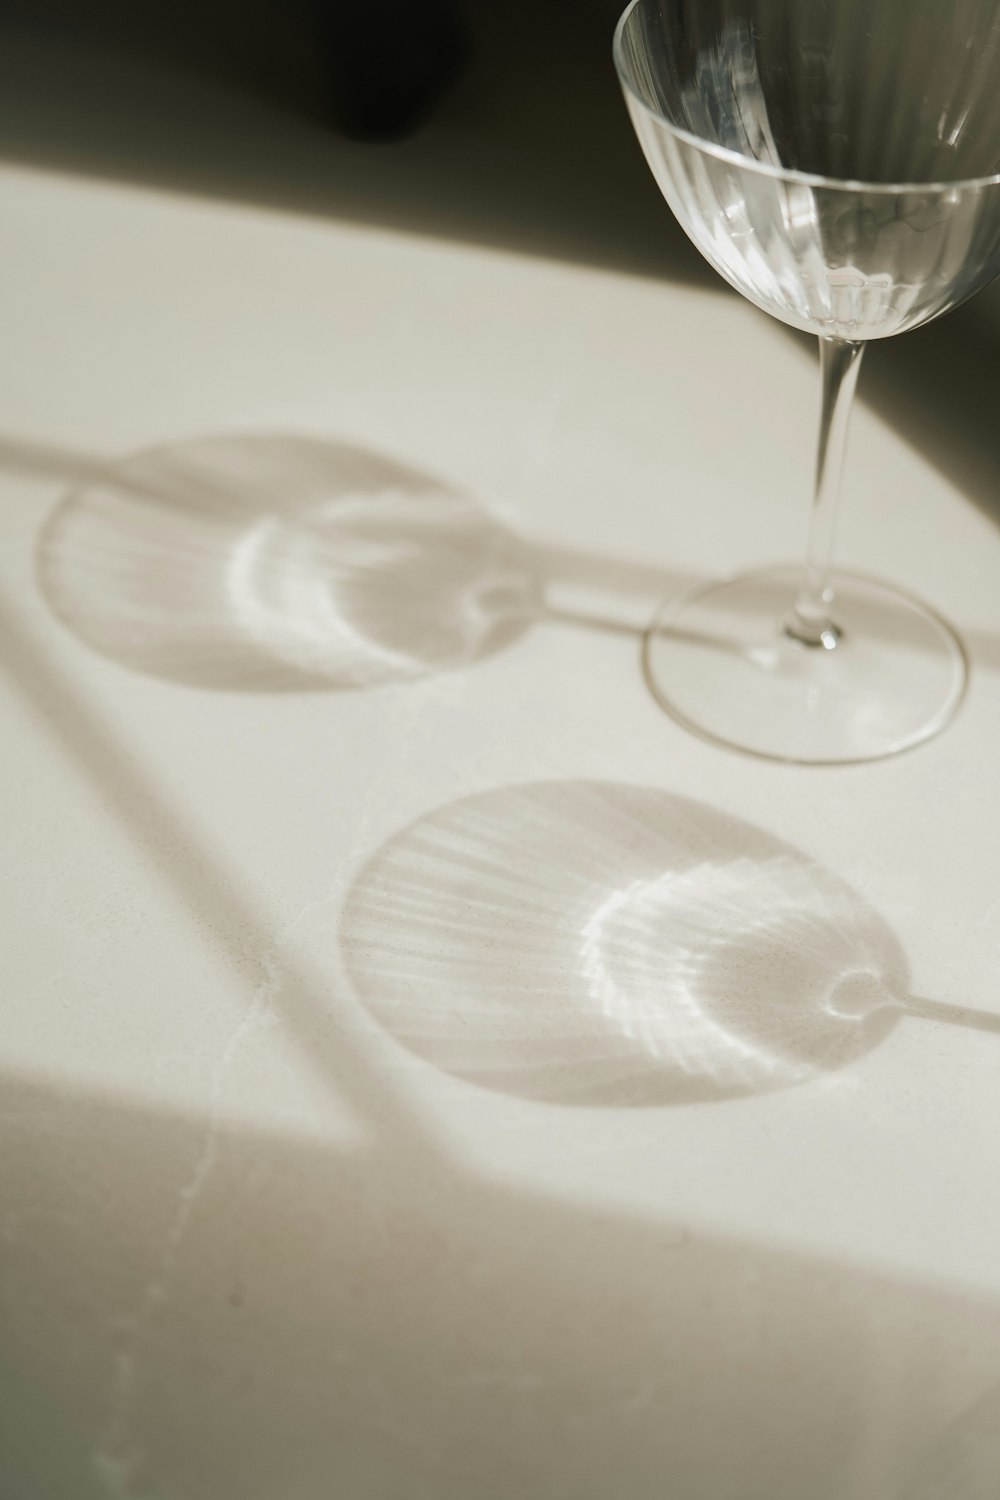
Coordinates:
838 162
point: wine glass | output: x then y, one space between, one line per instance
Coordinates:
837 162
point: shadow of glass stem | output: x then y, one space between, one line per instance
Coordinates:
276 562
593 943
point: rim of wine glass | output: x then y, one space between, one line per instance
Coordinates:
766 169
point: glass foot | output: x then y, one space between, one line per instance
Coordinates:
719 660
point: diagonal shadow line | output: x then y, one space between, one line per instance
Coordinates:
211 892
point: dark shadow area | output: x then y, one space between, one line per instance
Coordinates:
365 1324
938 388
273 562
594 943
528 148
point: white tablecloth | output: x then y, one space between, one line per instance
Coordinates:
345 1150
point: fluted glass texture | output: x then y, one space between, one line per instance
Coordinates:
837 161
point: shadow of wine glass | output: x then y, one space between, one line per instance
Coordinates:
603 944
269 562
274 562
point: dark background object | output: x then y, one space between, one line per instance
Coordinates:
375 70
505 120
386 65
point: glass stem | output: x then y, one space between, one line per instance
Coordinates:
811 620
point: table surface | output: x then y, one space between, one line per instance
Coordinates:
418 1074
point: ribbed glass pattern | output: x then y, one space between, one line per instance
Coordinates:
834 160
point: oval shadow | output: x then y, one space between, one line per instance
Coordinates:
594 943
269 562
